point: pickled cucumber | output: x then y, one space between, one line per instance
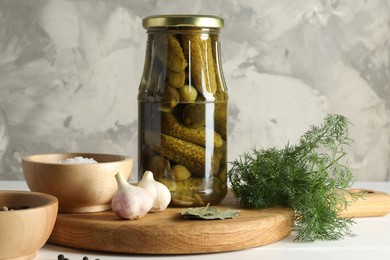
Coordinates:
198 191
188 93
180 172
190 155
176 59
202 63
171 126
176 79
157 164
170 98
193 115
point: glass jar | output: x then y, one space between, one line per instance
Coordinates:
182 109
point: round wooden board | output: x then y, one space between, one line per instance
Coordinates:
168 232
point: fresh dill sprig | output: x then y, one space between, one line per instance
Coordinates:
309 178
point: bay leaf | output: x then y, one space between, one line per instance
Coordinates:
209 213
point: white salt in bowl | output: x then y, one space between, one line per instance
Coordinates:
79 185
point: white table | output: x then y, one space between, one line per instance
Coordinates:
372 241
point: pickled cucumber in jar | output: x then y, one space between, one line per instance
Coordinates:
182 106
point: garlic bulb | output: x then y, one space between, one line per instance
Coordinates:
130 202
160 193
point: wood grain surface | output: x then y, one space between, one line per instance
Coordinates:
168 233
373 204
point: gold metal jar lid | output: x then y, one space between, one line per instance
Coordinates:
207 21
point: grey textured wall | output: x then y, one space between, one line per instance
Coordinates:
69 73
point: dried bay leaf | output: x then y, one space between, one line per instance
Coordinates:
209 213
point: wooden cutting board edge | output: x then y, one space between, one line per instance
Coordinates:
168 233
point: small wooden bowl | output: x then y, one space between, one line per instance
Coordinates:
83 187
24 231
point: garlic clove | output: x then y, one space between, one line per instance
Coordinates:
160 193
130 201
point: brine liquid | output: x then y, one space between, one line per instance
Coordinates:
185 148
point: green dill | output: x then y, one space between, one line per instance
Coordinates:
309 177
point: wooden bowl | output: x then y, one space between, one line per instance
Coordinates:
83 187
24 231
